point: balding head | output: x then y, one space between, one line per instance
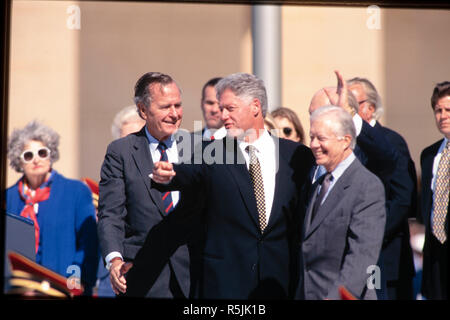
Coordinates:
328 96
321 98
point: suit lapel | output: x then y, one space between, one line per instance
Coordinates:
311 199
239 172
144 164
336 194
427 176
279 195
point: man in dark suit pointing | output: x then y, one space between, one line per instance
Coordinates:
251 191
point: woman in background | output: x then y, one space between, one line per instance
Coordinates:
61 208
289 124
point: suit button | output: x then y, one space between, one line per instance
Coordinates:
254 267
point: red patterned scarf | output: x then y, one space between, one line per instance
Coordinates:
42 193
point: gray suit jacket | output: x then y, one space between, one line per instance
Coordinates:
344 238
129 208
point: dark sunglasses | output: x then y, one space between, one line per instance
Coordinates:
362 101
287 131
28 155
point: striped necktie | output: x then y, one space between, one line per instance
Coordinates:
166 196
325 185
441 195
254 170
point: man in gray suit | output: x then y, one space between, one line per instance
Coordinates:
129 208
345 217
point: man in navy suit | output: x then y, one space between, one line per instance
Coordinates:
250 187
128 206
434 205
396 259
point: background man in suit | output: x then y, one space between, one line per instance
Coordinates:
435 162
372 149
251 197
396 259
128 206
212 114
345 217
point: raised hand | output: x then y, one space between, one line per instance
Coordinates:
342 93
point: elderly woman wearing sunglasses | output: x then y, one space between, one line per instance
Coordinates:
61 209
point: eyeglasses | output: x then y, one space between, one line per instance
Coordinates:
28 155
362 101
287 131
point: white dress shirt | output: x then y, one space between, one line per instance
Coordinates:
266 154
218 134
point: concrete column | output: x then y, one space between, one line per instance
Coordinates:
266 32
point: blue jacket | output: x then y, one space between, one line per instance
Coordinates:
67 224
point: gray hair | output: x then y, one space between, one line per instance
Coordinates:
352 101
127 114
142 95
373 97
342 121
246 87
36 131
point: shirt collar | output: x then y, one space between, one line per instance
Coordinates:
218 134
260 144
342 166
153 142
443 144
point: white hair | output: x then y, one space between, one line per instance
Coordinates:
342 124
127 114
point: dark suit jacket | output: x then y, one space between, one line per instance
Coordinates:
344 238
129 207
375 152
401 193
432 285
237 261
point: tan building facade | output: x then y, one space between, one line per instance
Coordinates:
73 65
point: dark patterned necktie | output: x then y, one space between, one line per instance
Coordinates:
166 196
258 186
325 185
441 195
